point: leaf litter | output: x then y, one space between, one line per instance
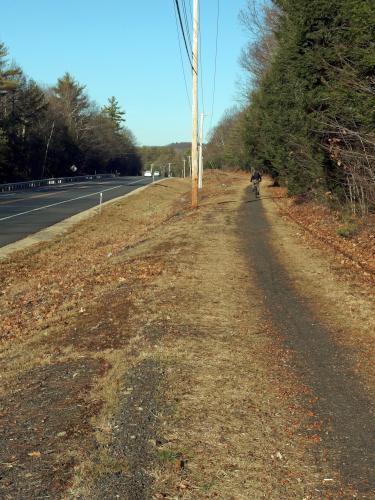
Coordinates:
155 281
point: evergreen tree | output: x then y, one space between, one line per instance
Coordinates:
72 102
44 131
317 89
114 112
8 76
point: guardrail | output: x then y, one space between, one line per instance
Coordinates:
19 186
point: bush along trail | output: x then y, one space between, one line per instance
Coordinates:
159 352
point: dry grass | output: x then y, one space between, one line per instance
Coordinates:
238 424
151 279
66 302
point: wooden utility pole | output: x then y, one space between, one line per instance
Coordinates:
200 169
184 169
194 142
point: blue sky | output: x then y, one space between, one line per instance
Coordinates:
128 49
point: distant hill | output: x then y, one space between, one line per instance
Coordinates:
178 146
161 157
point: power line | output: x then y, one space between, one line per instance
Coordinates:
217 38
182 60
187 25
183 33
191 13
201 64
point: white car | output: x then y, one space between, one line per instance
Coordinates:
156 173
148 173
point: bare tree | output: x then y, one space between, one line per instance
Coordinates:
262 23
350 143
354 153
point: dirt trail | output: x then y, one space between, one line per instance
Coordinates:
198 364
342 404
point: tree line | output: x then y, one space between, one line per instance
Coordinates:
309 112
58 131
167 159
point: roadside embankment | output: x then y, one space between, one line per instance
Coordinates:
159 352
63 310
60 228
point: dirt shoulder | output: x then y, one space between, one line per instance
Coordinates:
145 356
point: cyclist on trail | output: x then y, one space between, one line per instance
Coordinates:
256 179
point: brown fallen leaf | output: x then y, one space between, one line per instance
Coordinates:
35 454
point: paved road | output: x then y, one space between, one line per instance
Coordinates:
25 213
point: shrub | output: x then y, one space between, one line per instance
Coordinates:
347 230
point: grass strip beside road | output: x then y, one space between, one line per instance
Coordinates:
63 226
139 358
55 305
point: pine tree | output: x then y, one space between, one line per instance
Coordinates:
72 102
8 76
114 112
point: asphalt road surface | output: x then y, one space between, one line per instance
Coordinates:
24 213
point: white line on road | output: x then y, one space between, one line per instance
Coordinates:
67 201
4 195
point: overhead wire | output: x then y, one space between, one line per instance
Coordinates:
182 60
187 24
183 34
182 20
191 12
215 67
201 65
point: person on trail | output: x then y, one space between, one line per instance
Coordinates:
256 179
255 176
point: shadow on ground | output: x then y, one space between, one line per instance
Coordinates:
341 402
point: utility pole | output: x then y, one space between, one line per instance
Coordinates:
200 176
169 169
194 142
184 169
